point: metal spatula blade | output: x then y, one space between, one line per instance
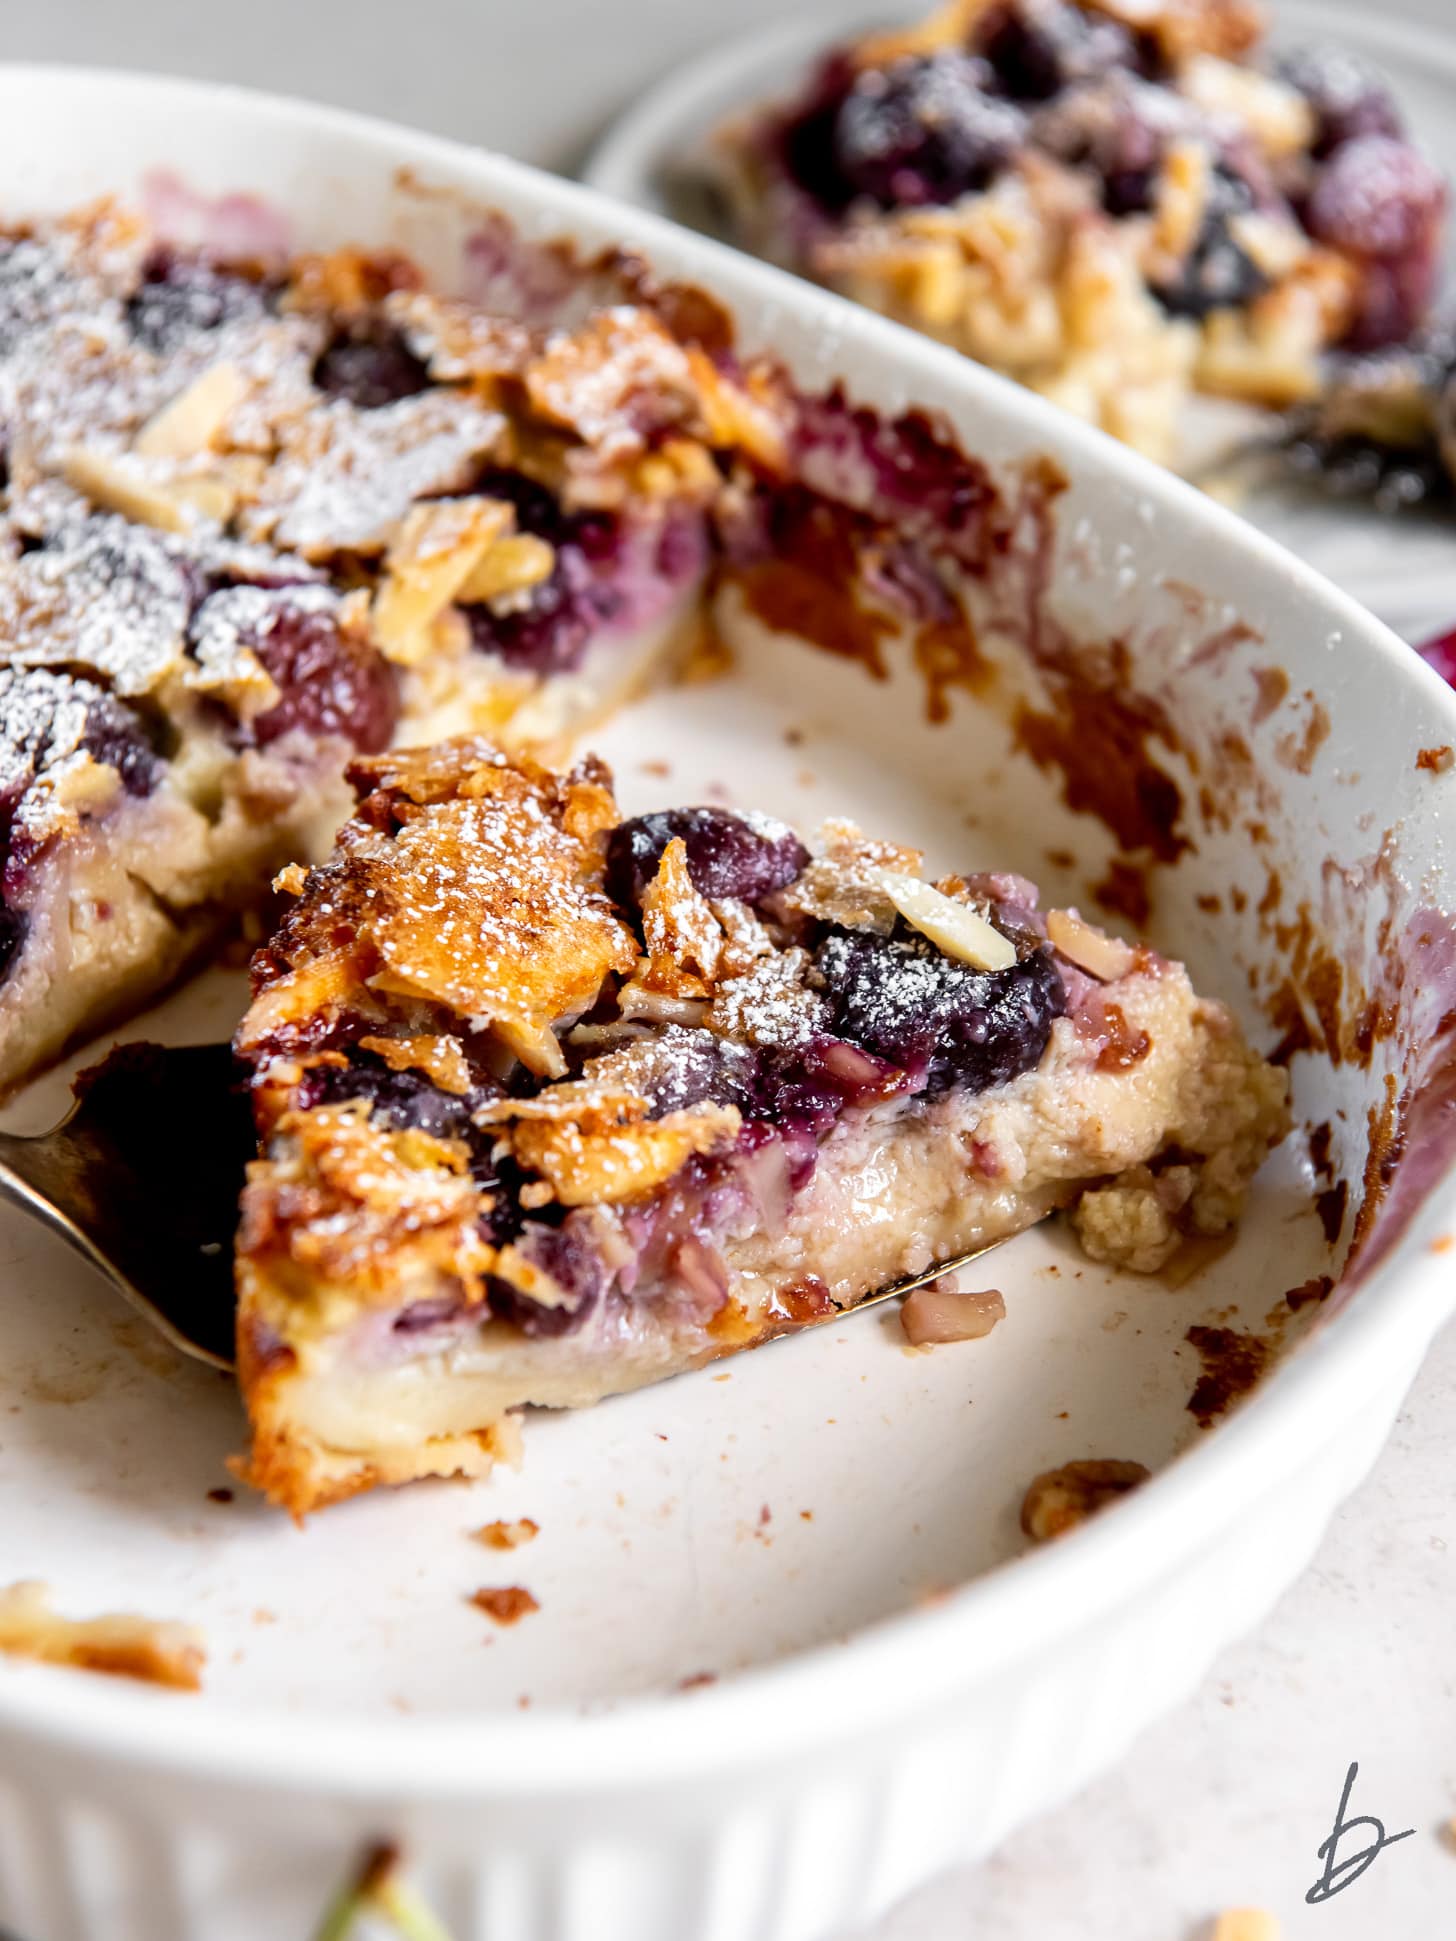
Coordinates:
143 1175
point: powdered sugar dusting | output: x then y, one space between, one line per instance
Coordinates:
108 596
345 477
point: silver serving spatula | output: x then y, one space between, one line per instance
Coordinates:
143 1175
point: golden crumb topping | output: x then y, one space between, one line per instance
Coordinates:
464 883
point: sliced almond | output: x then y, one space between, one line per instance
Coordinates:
438 1056
538 1048
955 928
84 784
935 1314
119 485
1103 957
1278 117
433 552
513 564
190 423
208 493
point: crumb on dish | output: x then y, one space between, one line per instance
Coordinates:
507 1603
124 1644
1060 1499
508 1536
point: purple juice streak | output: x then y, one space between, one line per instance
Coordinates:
906 470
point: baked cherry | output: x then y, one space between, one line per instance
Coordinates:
728 855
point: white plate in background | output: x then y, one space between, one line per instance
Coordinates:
1403 567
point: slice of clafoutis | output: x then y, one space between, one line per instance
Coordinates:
252 525
552 1104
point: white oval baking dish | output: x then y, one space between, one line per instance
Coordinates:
835 1771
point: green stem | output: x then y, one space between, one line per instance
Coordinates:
377 1888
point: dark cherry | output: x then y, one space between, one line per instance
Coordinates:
802 1089
370 365
538 509
1380 200
1377 197
1039 47
1348 97
1216 274
1128 162
693 1066
329 682
903 1000
548 634
806 137
186 296
13 926
406 1100
115 735
926 130
728 855
573 1259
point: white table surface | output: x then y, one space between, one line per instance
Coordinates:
1226 1802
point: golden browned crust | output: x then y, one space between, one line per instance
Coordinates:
464 883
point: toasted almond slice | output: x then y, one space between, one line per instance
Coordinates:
191 421
119 486
432 554
1106 958
1278 117
513 564
583 1167
953 927
935 1314
84 784
206 492
538 1048
438 1056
